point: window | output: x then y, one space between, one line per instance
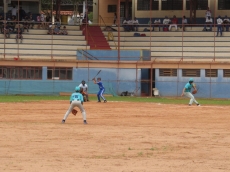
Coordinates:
172 5
211 72
32 73
226 73
223 5
168 72
59 73
146 4
112 8
191 72
201 5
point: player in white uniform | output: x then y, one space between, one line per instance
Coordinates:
76 100
84 86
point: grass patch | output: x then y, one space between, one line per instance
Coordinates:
163 100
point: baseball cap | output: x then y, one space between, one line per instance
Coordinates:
191 79
77 88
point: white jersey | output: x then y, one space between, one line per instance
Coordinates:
84 87
219 21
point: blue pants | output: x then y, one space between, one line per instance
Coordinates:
100 94
219 29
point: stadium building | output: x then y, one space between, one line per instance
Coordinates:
152 64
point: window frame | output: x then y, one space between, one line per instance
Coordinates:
143 6
112 8
56 73
171 5
225 5
226 71
213 74
191 71
203 7
170 72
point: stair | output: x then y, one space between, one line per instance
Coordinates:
95 38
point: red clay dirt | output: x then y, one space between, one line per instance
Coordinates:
119 137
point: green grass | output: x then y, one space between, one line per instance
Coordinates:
163 100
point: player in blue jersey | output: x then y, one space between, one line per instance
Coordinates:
101 90
187 92
76 100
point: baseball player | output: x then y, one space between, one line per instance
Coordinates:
76 100
187 92
84 87
101 89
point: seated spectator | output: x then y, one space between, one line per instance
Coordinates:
174 23
219 22
58 24
64 31
31 21
226 22
125 25
208 22
150 23
166 22
56 31
26 24
7 31
1 24
12 24
50 29
184 22
19 35
39 21
157 23
42 18
135 24
130 24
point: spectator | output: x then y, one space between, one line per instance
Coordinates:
50 30
208 22
39 21
184 22
12 23
7 31
166 22
174 23
125 25
226 23
22 14
157 23
19 34
56 31
208 13
135 24
64 31
219 22
26 24
114 19
58 24
1 24
130 25
48 19
31 21
150 23
14 11
42 18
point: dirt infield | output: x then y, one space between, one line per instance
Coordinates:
120 137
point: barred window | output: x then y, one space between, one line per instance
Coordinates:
226 73
223 5
59 73
172 5
112 8
211 72
12 72
201 5
143 5
168 72
191 72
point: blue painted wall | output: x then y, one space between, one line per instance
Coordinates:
114 80
216 87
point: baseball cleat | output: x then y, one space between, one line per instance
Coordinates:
99 101
198 104
85 122
105 101
63 121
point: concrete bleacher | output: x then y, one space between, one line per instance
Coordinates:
37 44
191 44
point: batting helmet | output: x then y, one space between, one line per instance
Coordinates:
77 89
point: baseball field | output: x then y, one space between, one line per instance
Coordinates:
126 134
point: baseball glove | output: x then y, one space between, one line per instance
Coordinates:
194 92
74 112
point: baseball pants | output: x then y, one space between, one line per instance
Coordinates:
192 98
78 104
